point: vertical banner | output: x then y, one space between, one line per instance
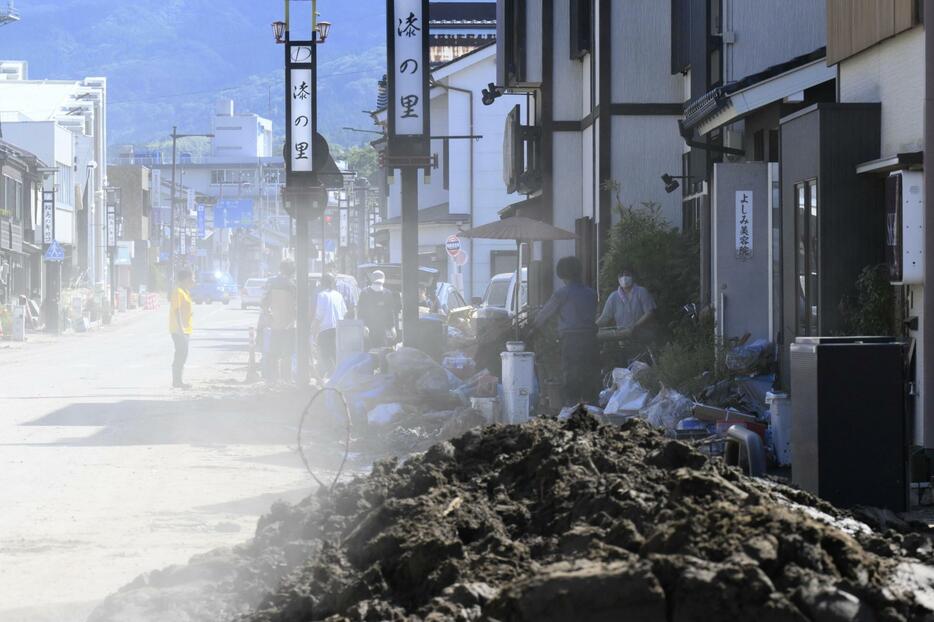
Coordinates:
48 216
408 71
344 225
300 108
111 226
743 224
201 223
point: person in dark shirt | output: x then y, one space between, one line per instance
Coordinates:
379 309
575 305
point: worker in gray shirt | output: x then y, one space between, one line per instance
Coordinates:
629 309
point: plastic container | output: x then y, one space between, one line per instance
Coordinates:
516 406
518 371
780 413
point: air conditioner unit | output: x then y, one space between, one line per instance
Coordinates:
904 220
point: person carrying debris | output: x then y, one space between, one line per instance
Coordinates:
379 310
180 324
575 304
279 304
628 312
329 310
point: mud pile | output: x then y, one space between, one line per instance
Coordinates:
552 521
578 521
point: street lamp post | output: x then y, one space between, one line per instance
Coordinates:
173 249
301 162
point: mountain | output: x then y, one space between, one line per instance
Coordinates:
167 62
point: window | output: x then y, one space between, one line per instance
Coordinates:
446 164
758 146
511 39
496 294
232 176
581 29
773 145
715 44
806 258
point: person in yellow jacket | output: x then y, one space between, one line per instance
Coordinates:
180 324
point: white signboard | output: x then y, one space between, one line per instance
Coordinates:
48 216
344 227
409 29
111 226
744 224
301 112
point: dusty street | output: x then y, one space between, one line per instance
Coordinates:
106 472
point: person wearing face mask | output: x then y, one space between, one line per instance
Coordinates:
379 307
629 309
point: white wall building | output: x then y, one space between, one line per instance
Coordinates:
239 135
66 122
467 189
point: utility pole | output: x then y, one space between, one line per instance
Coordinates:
409 134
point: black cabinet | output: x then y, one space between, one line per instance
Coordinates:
849 429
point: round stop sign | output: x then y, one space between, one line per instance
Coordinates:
453 244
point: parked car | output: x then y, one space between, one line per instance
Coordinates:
215 286
449 299
252 293
501 292
393 272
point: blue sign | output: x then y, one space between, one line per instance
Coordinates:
330 246
55 252
201 222
233 214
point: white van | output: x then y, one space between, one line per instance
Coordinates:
501 292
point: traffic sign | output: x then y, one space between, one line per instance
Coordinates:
461 258
55 252
453 244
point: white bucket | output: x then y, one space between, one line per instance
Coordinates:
780 411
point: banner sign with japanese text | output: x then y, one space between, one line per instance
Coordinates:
300 104
408 71
48 216
744 224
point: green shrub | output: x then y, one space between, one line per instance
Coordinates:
665 260
870 310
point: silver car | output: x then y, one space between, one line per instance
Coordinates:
252 293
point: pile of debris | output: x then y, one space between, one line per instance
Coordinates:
556 521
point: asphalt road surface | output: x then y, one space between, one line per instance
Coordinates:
107 472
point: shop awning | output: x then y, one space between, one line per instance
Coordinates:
734 101
897 162
532 207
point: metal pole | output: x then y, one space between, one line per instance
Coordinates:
303 322
927 296
172 208
409 255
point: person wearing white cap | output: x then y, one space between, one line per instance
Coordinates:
379 308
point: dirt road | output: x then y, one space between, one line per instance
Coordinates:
106 472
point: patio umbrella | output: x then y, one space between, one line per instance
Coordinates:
520 229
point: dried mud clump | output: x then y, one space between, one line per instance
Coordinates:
578 521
